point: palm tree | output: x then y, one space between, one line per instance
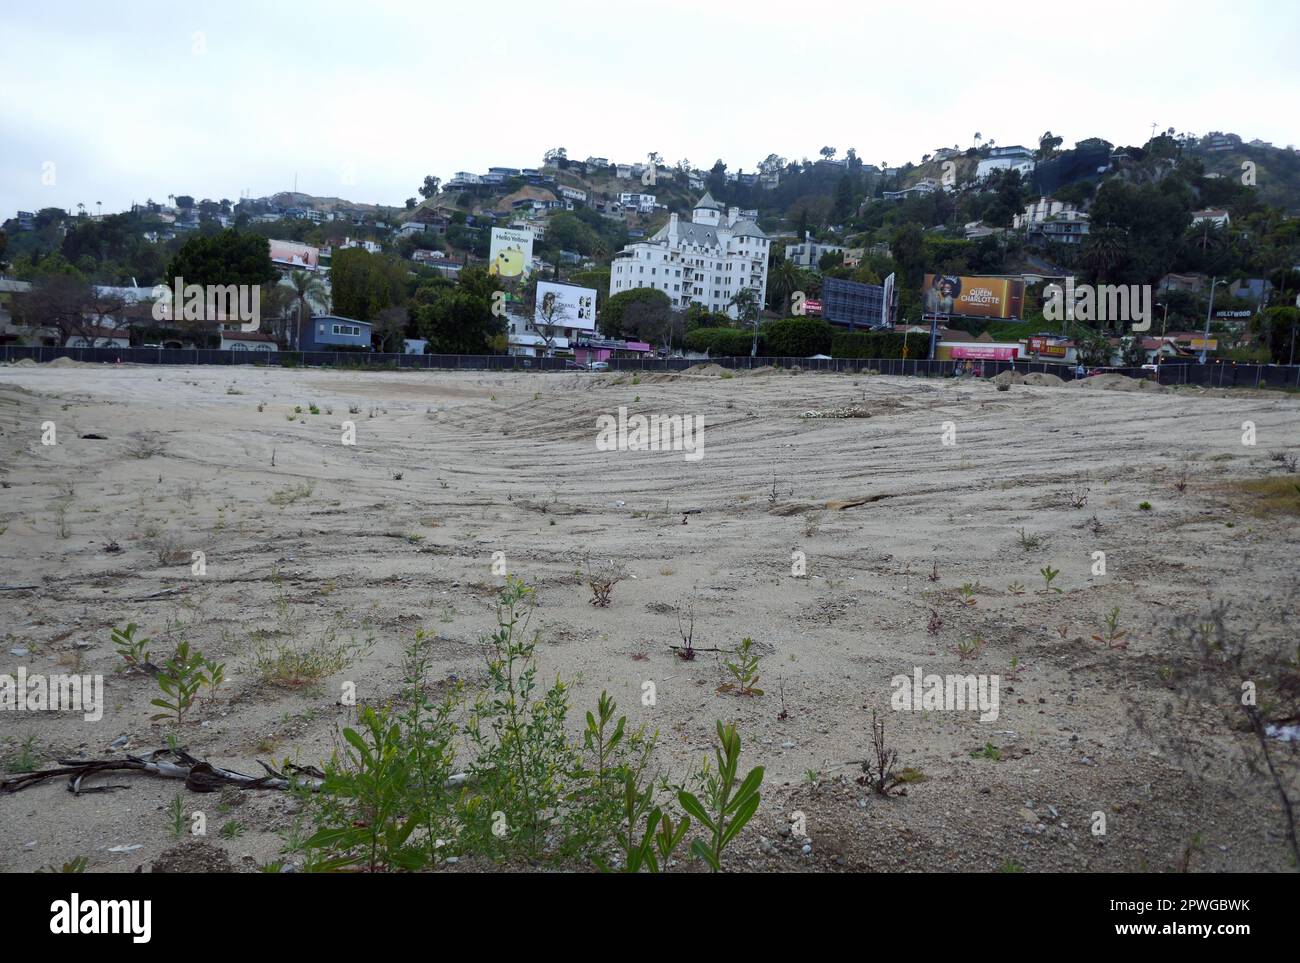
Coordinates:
745 301
307 291
782 285
1103 250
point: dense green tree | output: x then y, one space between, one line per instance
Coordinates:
612 315
457 320
364 284
228 257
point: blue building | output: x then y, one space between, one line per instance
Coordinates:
329 332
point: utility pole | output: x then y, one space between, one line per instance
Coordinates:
1205 348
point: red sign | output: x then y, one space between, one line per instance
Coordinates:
1040 346
812 307
991 353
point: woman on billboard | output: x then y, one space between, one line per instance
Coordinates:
941 296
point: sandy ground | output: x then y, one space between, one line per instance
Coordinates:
307 536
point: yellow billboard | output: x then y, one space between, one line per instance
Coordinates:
974 297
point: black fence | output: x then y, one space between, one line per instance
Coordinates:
1213 374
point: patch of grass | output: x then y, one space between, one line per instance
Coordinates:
1029 542
1271 496
294 493
291 664
25 759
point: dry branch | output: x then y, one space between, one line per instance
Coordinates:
199 776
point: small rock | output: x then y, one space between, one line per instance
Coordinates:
20 652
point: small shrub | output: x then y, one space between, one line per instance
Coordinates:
878 770
1111 635
602 581
180 679
744 671
134 652
726 807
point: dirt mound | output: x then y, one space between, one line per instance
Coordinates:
760 372
1009 378
23 363
1117 382
708 368
1042 379
199 857
64 363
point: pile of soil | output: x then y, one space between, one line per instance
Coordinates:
1042 379
1117 382
708 368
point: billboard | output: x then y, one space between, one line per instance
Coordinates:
294 255
974 297
565 306
1046 348
511 253
983 352
853 303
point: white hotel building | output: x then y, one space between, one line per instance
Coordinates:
706 261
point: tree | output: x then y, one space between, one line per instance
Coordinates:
430 187
1104 250
364 284
308 290
844 207
827 153
67 302
745 301
389 330
458 319
227 257
783 281
410 203
1047 145
611 314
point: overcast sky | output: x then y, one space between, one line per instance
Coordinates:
130 100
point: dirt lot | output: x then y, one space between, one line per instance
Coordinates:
306 537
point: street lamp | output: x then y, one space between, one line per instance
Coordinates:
1164 325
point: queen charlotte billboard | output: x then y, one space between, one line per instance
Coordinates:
974 297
